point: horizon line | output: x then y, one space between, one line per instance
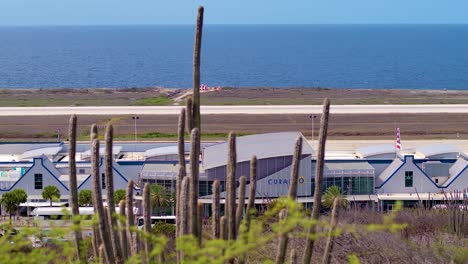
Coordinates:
231 24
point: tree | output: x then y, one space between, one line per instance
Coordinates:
51 192
329 196
85 198
12 200
119 195
158 196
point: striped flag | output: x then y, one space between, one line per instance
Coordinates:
398 139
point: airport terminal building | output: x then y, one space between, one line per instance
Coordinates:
374 174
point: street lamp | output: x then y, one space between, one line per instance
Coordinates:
135 118
312 117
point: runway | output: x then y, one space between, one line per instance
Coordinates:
223 110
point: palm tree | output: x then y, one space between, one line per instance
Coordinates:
158 197
12 200
329 196
51 192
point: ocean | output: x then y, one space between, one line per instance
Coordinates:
333 56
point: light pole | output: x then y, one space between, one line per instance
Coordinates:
135 118
312 117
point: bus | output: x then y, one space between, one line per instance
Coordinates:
60 213
169 219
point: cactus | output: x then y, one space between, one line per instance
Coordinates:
147 219
223 228
216 209
182 170
184 202
196 69
123 233
97 197
241 203
130 218
231 188
293 257
96 237
109 179
251 203
318 178
200 222
74 185
189 113
194 172
333 223
283 244
102 254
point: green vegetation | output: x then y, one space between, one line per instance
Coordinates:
85 198
119 195
51 193
12 200
159 100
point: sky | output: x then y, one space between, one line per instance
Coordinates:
131 12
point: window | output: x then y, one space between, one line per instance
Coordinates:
408 179
38 181
103 181
436 180
81 171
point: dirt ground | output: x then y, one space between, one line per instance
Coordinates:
341 126
227 96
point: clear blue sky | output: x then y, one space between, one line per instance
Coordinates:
111 12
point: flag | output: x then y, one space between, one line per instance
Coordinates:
398 139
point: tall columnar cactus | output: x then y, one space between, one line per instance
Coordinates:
241 203
196 69
96 236
223 228
216 209
333 223
231 188
104 231
182 169
123 233
147 219
129 224
252 190
293 257
318 178
184 202
189 113
109 179
194 172
74 185
283 243
200 222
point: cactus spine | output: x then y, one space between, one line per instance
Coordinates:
318 178
231 188
333 223
283 244
194 171
216 209
109 179
74 185
147 219
123 233
103 228
130 218
241 203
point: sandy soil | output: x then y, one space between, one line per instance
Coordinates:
227 96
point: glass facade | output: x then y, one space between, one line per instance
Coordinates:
204 187
351 185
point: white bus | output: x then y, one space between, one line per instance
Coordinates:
57 213
169 219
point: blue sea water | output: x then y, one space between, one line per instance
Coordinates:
339 56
